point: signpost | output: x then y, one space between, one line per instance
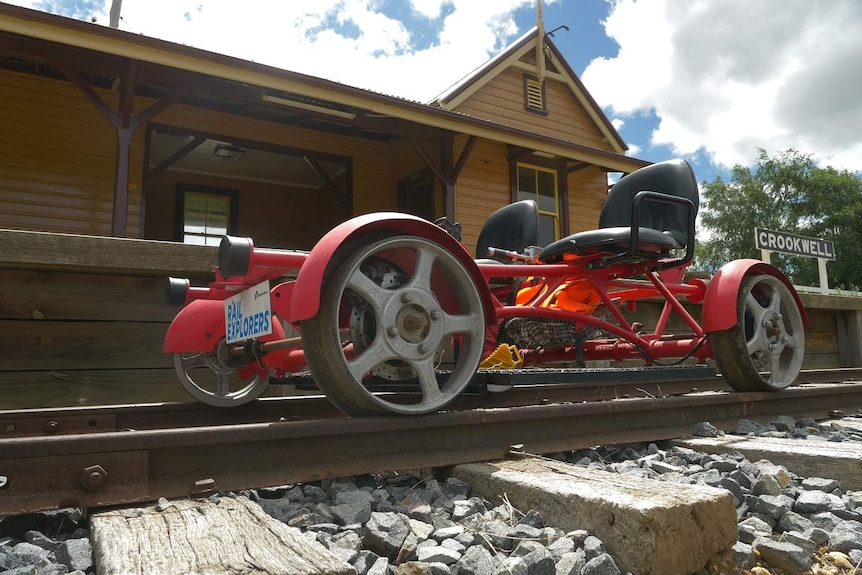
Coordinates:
768 241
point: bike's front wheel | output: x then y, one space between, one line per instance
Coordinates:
406 323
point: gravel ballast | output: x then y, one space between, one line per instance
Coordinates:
405 524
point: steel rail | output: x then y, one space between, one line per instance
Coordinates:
61 421
121 467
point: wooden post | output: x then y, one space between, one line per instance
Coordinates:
824 280
121 191
848 325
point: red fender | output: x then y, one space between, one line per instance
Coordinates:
200 326
306 293
281 296
719 303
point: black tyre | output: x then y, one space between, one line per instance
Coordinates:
765 349
397 325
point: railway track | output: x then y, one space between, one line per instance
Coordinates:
95 457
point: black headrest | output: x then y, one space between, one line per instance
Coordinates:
512 227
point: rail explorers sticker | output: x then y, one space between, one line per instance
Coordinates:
792 244
248 314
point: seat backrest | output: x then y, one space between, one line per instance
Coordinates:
673 177
512 227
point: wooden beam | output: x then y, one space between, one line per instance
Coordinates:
577 167
158 107
174 158
124 144
462 159
50 53
516 152
242 142
449 188
34 389
204 537
71 345
318 169
72 74
126 124
103 255
40 296
549 74
440 176
121 187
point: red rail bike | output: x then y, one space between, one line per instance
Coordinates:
389 299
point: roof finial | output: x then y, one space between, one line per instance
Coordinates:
116 6
540 42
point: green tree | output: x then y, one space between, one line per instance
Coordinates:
831 209
786 192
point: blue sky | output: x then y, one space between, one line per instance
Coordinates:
708 80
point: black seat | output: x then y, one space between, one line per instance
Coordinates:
647 214
513 227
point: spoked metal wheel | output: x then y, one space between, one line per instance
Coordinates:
363 322
764 351
214 379
394 320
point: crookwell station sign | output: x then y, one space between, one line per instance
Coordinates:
792 244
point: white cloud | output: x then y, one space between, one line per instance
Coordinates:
428 8
728 76
350 41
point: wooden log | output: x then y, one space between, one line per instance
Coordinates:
830 302
821 320
92 254
820 342
821 361
63 345
68 296
231 535
76 388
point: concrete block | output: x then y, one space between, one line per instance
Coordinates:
836 460
649 527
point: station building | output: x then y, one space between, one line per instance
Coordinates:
110 133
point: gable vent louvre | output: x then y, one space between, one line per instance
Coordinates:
535 94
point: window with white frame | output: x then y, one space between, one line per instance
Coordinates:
540 184
205 215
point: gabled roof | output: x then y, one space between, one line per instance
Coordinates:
511 56
63 31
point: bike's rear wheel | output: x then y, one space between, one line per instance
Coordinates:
765 349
